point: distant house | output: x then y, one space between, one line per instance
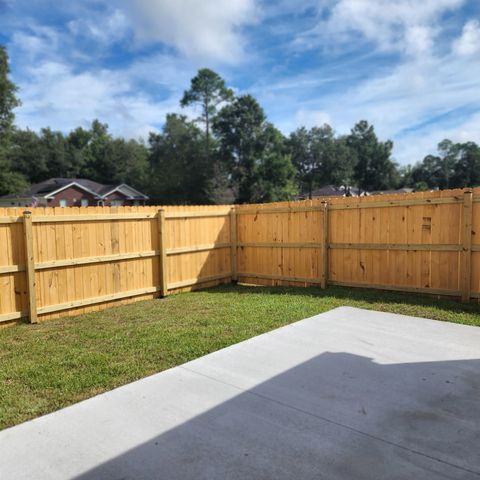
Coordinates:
329 191
388 192
74 192
342 191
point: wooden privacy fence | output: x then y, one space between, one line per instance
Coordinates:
57 261
422 242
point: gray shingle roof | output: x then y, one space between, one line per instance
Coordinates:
52 184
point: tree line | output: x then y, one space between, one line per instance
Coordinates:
231 152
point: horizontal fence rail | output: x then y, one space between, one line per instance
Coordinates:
85 259
57 261
424 243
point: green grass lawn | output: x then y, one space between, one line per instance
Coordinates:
48 366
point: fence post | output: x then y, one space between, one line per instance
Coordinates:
30 267
324 278
233 243
162 253
466 261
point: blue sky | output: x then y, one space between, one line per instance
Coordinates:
411 67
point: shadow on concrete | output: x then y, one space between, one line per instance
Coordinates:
335 416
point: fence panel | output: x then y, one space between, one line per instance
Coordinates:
281 244
13 281
198 246
408 242
92 258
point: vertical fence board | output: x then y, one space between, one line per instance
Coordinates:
163 253
30 267
233 244
324 237
466 269
415 242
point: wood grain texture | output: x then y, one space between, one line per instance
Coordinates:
30 267
163 253
466 261
86 259
233 244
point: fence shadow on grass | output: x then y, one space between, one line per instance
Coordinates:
357 296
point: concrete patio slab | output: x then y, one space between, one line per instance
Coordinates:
348 394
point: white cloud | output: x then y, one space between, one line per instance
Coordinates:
201 30
469 41
417 145
36 41
132 99
417 103
408 26
108 28
410 100
311 118
419 40
428 94
54 95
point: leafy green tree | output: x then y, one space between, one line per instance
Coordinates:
240 127
445 164
208 90
106 159
426 172
339 166
456 165
92 154
276 171
26 154
320 158
131 158
41 156
8 99
54 154
77 150
405 176
374 169
179 173
10 180
99 163
306 163
466 171
249 147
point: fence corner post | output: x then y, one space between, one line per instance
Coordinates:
324 278
162 253
233 243
30 267
466 260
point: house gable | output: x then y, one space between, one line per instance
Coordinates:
72 196
75 192
127 191
69 186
